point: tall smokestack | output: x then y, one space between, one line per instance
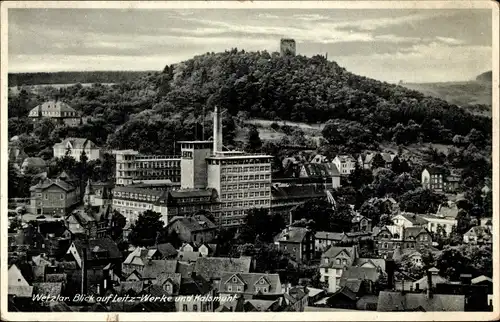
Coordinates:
217 130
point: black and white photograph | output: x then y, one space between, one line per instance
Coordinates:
214 158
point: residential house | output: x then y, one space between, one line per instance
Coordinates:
345 164
74 147
328 172
436 179
249 284
298 242
366 161
333 262
165 250
478 235
377 263
56 110
389 238
190 252
318 158
414 256
33 165
138 258
98 193
18 286
390 301
189 289
435 222
81 223
195 228
54 196
429 281
360 280
211 268
99 253
324 239
406 220
361 223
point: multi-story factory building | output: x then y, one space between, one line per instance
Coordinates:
133 167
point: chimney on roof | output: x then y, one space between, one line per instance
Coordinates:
390 267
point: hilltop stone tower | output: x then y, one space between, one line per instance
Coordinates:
287 47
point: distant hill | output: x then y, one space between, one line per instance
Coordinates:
19 79
465 94
485 77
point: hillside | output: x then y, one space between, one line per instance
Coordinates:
357 112
59 78
465 94
485 77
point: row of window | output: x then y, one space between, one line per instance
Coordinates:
251 194
232 222
245 186
246 169
337 261
136 196
57 114
246 203
338 272
133 204
245 177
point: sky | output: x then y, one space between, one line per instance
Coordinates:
421 45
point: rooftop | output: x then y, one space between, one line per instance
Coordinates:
212 267
396 301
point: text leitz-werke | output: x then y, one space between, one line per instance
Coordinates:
128 298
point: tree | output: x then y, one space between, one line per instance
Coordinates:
463 221
254 143
144 231
260 224
378 161
421 201
360 176
451 263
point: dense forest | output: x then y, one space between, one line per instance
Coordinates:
20 79
152 111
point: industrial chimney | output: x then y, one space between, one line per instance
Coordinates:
390 267
429 284
84 271
217 130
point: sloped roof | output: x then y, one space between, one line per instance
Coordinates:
377 262
334 251
360 273
321 170
478 231
194 285
47 288
154 268
34 162
194 223
258 305
480 279
329 235
415 219
414 232
52 106
250 280
105 243
185 269
47 183
166 249
124 287
77 143
20 290
396 301
448 211
188 256
212 267
55 278
292 235
422 282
